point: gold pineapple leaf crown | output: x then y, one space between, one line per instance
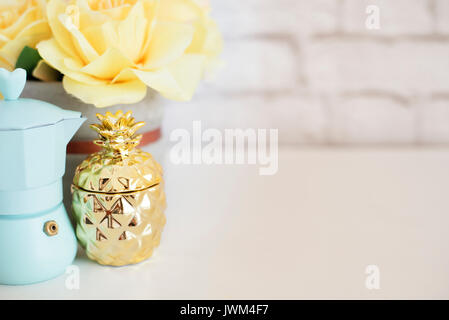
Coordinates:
117 132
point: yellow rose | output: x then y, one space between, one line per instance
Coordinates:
207 38
110 50
22 23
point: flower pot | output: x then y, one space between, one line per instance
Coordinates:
149 110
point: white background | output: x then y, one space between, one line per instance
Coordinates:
308 232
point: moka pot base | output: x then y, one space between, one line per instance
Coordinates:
30 251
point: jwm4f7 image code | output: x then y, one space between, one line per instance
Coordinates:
226 310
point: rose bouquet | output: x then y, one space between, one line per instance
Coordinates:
23 24
109 52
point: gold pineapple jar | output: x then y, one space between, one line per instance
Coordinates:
118 195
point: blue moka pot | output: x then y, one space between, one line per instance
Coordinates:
37 241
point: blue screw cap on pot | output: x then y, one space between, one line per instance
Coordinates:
37 241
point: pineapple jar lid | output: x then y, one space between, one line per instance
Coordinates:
120 167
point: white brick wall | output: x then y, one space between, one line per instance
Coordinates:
301 119
313 70
249 17
442 16
402 67
433 120
396 16
361 119
259 65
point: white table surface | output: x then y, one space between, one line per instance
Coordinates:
307 232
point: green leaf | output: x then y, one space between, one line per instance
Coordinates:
28 59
